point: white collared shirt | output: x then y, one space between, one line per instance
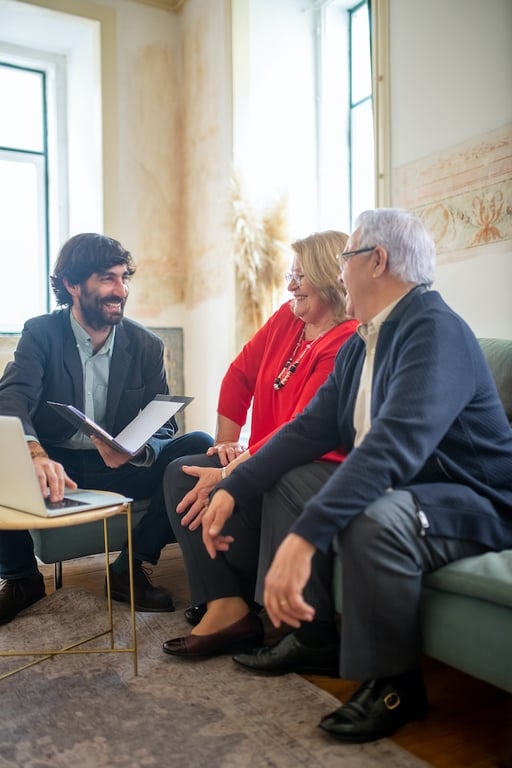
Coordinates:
363 405
96 370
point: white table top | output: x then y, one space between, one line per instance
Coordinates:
13 520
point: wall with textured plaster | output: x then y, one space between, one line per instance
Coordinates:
175 160
205 116
175 105
154 205
149 94
450 74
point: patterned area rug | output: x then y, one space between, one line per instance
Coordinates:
91 711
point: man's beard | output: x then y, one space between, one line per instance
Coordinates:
96 317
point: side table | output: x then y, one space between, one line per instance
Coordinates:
11 519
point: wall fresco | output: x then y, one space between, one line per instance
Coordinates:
464 194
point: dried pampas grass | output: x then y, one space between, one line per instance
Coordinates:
260 258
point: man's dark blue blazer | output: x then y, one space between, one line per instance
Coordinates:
47 366
438 429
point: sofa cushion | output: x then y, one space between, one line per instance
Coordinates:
487 577
498 353
53 545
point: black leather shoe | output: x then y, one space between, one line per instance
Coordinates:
290 655
17 594
194 614
378 708
147 597
245 633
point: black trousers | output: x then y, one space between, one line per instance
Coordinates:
231 573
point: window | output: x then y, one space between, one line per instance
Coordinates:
50 149
23 194
361 132
345 111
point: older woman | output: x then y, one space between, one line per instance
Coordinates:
279 370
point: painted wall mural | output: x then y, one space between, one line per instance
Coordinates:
463 194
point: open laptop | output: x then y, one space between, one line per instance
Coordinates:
19 487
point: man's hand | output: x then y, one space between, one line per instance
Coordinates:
194 502
285 582
220 509
52 478
110 456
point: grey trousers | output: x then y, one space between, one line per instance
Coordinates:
383 558
281 507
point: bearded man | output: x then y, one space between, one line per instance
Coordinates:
88 355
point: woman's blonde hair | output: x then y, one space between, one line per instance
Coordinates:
317 257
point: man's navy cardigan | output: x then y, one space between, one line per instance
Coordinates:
438 428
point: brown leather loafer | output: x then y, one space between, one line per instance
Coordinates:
17 594
245 633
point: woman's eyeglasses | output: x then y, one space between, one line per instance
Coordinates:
295 276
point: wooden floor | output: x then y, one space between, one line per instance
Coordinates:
469 724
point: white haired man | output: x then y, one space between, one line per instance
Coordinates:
427 480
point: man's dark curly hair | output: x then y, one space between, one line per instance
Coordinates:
83 255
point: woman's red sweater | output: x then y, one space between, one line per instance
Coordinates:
252 373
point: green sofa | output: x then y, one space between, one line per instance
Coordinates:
467 605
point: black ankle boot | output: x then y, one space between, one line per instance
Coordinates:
147 597
17 594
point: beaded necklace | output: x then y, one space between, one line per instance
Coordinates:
291 366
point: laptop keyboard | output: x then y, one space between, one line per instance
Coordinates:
52 505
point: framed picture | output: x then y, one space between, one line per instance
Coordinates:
173 359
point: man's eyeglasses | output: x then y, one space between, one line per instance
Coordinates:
296 276
342 258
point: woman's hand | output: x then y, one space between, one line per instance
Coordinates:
194 503
227 452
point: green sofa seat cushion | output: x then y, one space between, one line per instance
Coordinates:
53 545
486 577
498 353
